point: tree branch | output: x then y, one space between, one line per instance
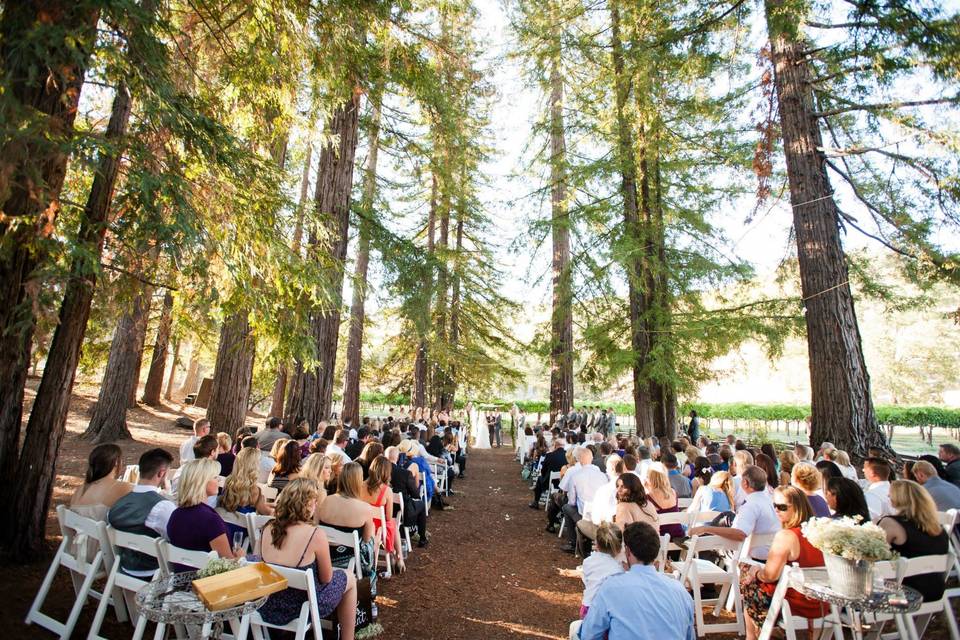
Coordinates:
880 106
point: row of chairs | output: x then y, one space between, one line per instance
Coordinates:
90 551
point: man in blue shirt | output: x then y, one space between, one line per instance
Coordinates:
640 603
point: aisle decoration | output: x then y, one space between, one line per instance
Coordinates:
849 551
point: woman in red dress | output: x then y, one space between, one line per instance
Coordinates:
378 494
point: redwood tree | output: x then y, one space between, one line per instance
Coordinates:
233 375
158 362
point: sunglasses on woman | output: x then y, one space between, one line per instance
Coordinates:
780 506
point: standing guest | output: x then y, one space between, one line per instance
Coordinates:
639 603
497 427
755 515
914 532
225 454
663 498
272 433
101 486
201 427
845 498
788 460
757 584
602 564
877 473
806 478
945 495
693 428
195 525
336 448
144 511
950 456
292 540
680 484
287 467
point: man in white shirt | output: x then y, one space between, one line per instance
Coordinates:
604 505
643 466
336 447
581 490
201 427
876 471
757 514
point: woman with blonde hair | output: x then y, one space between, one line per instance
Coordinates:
716 495
194 524
757 584
842 460
601 564
292 540
807 478
225 454
663 498
689 469
241 492
915 531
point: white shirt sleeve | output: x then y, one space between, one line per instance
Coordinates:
159 516
746 519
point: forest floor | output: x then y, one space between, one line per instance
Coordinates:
490 570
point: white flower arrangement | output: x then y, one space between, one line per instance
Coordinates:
847 538
217 566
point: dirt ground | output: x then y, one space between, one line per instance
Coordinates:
490 572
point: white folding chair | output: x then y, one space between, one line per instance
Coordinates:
80 535
662 554
948 520
681 518
171 555
404 529
697 572
683 503
382 533
337 538
439 471
423 494
948 595
269 493
128 584
779 613
309 618
255 524
919 566
551 487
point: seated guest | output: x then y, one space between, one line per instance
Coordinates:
225 454
319 446
356 447
242 434
950 456
945 495
336 448
741 460
377 493
915 531
144 511
265 462
757 584
845 498
581 486
788 460
604 505
756 515
195 525
369 453
632 503
877 473
842 460
716 495
101 487
806 478
201 427
268 436
640 603
292 540
828 470
301 435
702 473
689 469
287 467
346 511
767 463
601 564
404 484
663 498
241 492
319 468
680 484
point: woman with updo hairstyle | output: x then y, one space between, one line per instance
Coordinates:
101 487
807 478
292 540
703 471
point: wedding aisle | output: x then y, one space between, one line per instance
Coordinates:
490 571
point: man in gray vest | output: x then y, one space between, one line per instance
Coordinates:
144 511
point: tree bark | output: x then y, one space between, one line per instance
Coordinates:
192 379
447 400
109 421
421 362
279 392
48 417
561 338
232 376
168 394
841 405
44 79
158 363
351 383
312 397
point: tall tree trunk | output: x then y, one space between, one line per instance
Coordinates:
841 405
232 375
312 396
442 364
451 392
421 362
26 510
351 383
138 368
192 380
168 394
45 49
109 421
561 338
279 392
158 363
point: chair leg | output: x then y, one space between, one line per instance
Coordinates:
697 606
94 632
82 597
45 586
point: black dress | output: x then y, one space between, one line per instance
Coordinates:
918 543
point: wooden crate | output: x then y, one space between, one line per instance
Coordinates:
232 588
